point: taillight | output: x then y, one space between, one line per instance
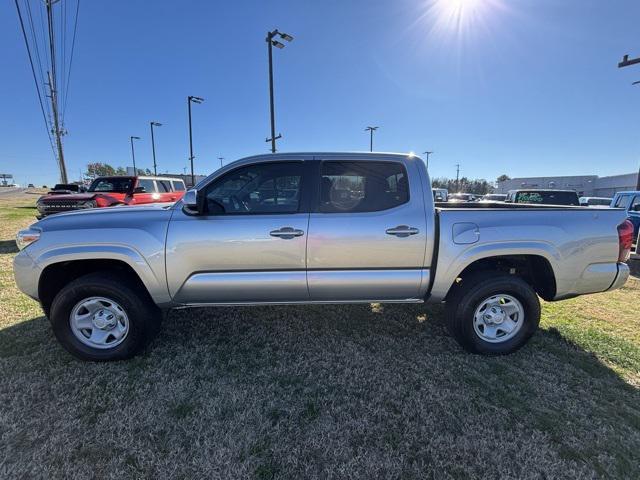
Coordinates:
625 240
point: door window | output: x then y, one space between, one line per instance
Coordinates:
635 205
164 186
148 185
178 186
347 187
257 189
623 201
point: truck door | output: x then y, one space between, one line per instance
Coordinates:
367 232
249 246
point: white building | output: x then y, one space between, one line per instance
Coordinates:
585 185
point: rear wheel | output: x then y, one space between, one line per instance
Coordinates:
492 313
103 316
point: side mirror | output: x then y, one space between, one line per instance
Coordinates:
193 202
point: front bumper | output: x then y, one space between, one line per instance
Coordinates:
27 274
621 277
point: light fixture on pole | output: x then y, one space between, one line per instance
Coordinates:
371 130
191 99
271 42
133 154
427 153
153 145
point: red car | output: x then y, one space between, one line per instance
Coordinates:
111 191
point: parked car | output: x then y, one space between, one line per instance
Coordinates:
493 197
112 191
440 194
30 185
315 228
462 197
543 197
64 188
595 201
630 201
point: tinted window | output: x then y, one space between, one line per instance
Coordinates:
623 201
148 185
163 186
111 184
635 205
178 186
548 197
362 186
259 188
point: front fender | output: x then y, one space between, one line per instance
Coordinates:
155 284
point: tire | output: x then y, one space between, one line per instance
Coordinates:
492 313
126 317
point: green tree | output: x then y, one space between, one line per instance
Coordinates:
98 169
503 178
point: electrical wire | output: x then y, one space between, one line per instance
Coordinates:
35 79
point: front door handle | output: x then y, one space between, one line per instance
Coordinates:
286 233
402 231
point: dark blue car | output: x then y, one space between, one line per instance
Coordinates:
630 201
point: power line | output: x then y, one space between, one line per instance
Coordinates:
33 71
73 45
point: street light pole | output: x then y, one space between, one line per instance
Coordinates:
427 153
371 130
133 154
153 145
626 63
192 99
221 159
270 44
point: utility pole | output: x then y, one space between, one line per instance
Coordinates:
221 159
270 44
626 62
133 154
153 145
427 153
371 130
457 177
54 92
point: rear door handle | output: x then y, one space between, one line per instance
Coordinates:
402 231
286 233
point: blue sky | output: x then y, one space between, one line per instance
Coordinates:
523 87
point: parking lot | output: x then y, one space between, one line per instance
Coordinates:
375 391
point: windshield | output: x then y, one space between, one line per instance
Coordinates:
112 184
548 197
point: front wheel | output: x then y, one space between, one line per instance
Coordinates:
492 313
103 316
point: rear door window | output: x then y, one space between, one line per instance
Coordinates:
349 187
178 186
164 186
635 205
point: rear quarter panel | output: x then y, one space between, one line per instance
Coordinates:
581 244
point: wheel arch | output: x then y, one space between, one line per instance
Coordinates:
534 269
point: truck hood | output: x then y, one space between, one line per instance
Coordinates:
110 217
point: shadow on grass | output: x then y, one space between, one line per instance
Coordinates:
8 246
366 390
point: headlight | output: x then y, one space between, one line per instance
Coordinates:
88 204
40 206
27 237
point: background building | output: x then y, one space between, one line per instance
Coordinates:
585 185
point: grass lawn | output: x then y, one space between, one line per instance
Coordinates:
367 391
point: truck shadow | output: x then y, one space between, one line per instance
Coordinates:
8 246
366 378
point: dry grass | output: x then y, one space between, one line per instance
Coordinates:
375 391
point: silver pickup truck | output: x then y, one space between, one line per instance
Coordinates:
315 228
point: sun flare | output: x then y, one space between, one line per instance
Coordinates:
459 13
